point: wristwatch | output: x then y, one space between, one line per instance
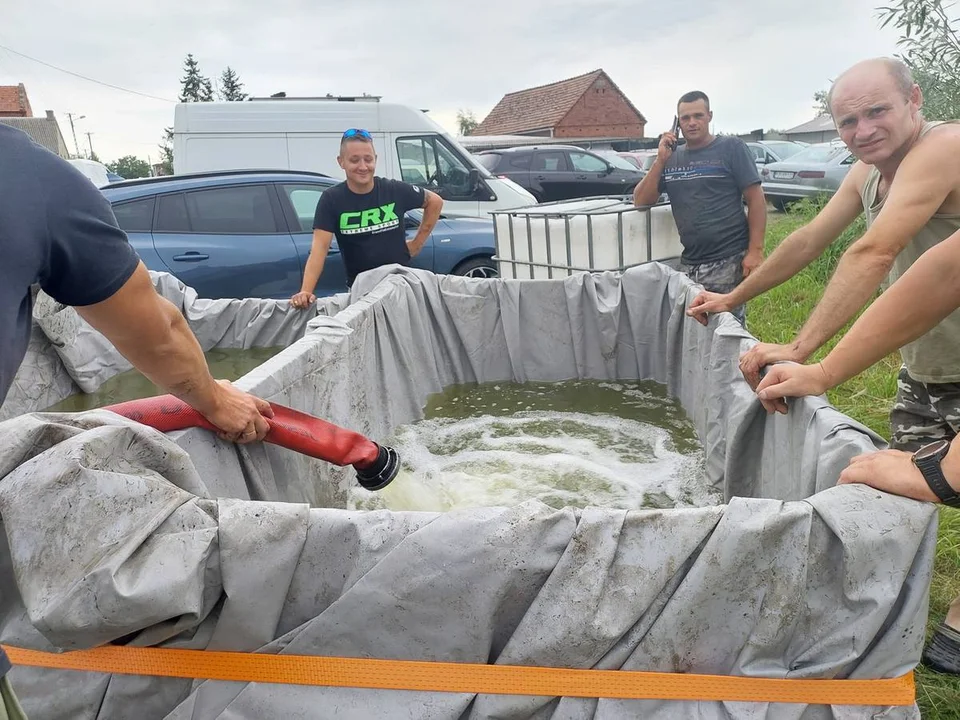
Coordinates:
927 459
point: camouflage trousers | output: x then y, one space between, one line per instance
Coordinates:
720 276
922 413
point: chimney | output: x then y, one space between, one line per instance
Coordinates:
50 115
24 102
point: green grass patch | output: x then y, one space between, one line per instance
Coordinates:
777 316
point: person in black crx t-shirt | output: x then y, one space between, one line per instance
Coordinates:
366 214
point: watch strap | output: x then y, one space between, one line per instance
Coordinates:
933 474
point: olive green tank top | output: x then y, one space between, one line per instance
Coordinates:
935 356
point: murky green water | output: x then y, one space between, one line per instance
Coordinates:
225 364
579 443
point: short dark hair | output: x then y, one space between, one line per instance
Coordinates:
693 96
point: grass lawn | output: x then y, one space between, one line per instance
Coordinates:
776 317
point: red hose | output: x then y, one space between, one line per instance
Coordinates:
289 428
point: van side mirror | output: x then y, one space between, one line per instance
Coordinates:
473 179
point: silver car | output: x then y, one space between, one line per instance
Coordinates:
816 170
771 151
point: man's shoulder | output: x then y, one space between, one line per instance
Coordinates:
394 184
730 143
334 192
30 159
942 135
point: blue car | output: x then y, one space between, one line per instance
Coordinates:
241 234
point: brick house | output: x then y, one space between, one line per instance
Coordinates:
15 111
14 102
586 106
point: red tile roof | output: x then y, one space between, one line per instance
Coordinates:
538 107
13 101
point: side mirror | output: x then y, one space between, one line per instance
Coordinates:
609 169
473 179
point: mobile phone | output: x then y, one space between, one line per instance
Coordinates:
675 130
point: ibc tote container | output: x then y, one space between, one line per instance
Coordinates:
596 234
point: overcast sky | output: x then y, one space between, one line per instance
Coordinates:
759 62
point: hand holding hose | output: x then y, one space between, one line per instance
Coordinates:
238 416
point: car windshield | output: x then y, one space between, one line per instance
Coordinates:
619 162
488 160
818 154
785 149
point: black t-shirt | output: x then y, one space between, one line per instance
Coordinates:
57 230
369 227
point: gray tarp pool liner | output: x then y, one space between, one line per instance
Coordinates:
67 356
117 531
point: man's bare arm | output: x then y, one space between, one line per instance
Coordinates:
923 181
432 206
647 191
150 332
926 293
313 268
757 225
923 296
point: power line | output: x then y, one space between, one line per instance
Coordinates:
84 77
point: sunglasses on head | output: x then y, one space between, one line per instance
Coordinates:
357 132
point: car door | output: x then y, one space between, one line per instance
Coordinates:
299 203
428 161
135 218
550 177
593 176
227 242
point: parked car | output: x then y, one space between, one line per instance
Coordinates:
95 171
771 151
560 172
641 159
242 234
815 170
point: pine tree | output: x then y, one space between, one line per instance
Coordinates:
206 90
191 84
231 89
166 152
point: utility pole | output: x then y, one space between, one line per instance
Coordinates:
74 131
90 141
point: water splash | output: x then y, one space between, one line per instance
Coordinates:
624 445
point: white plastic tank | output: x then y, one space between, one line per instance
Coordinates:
588 235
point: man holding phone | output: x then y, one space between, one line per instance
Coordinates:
708 180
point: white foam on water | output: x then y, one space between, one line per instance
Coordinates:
561 458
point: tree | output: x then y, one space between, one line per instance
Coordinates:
231 89
820 103
206 90
930 39
194 87
130 166
166 152
467 122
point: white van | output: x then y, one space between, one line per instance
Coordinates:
304 134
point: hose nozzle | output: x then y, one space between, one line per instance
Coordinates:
381 471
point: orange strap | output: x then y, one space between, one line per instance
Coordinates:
466 678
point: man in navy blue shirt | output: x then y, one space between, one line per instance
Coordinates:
58 231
